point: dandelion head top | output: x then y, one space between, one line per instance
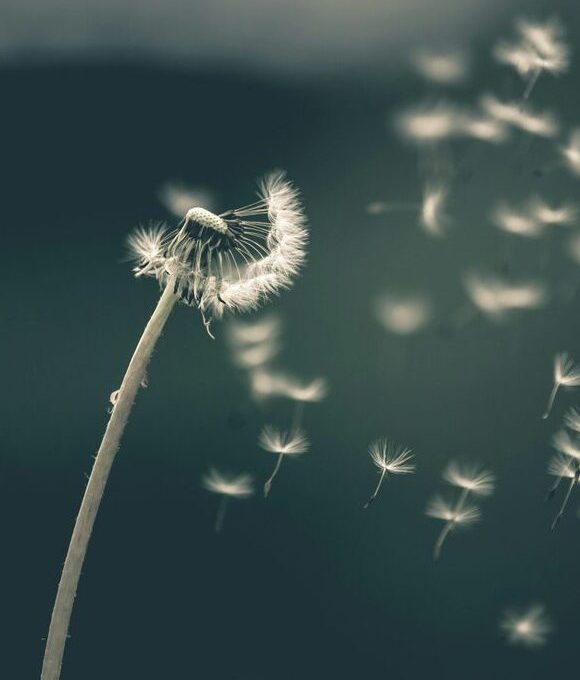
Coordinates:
470 478
464 515
228 261
390 457
236 486
284 443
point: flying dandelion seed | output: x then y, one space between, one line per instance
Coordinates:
298 391
541 49
256 356
564 443
483 128
454 516
529 628
469 478
390 459
495 297
227 486
248 333
563 467
520 116
566 375
178 198
444 67
284 444
233 261
402 314
426 124
433 218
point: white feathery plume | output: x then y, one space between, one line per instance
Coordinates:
483 127
564 465
565 214
178 198
227 486
402 314
529 628
454 515
244 333
292 443
390 458
520 116
564 443
427 124
566 375
237 259
256 356
496 297
432 217
444 67
470 478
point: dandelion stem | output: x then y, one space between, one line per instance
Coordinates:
558 517
268 484
372 498
77 549
442 536
221 513
553 394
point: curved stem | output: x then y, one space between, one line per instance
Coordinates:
268 484
550 403
77 549
442 536
372 498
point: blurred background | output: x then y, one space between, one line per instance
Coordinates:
107 104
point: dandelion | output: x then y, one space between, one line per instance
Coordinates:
444 67
403 314
433 218
567 445
566 375
483 127
455 517
565 214
231 261
227 486
529 628
178 198
520 116
248 333
391 459
284 444
299 391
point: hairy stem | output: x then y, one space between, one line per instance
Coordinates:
372 498
268 484
550 403
221 513
59 622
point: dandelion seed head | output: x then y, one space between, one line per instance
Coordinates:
571 152
463 516
530 627
402 314
286 443
546 40
470 477
235 486
444 67
241 333
315 390
565 214
484 128
392 458
237 259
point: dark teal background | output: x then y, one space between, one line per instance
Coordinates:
305 584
